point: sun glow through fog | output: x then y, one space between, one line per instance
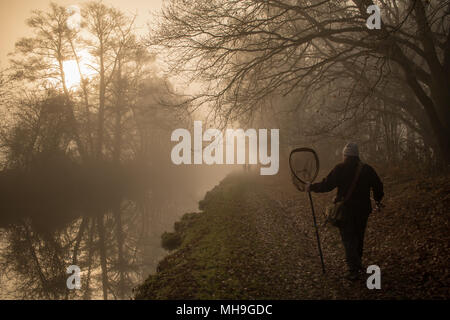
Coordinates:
71 72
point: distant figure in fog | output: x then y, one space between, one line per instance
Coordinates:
358 206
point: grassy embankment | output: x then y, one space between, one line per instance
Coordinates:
254 240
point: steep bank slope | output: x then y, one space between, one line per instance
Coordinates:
255 240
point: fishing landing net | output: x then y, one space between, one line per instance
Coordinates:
304 164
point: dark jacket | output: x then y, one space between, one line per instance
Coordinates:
341 178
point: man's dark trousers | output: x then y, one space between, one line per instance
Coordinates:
352 233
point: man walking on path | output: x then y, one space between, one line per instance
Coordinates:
357 207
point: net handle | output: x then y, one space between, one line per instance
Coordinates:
315 157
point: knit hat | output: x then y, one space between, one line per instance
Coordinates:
351 150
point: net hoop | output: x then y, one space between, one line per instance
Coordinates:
315 157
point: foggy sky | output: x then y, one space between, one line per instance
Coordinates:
14 13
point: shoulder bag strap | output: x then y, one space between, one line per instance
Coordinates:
355 179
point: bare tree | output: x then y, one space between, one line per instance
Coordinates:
248 50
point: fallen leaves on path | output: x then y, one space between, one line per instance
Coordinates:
255 240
